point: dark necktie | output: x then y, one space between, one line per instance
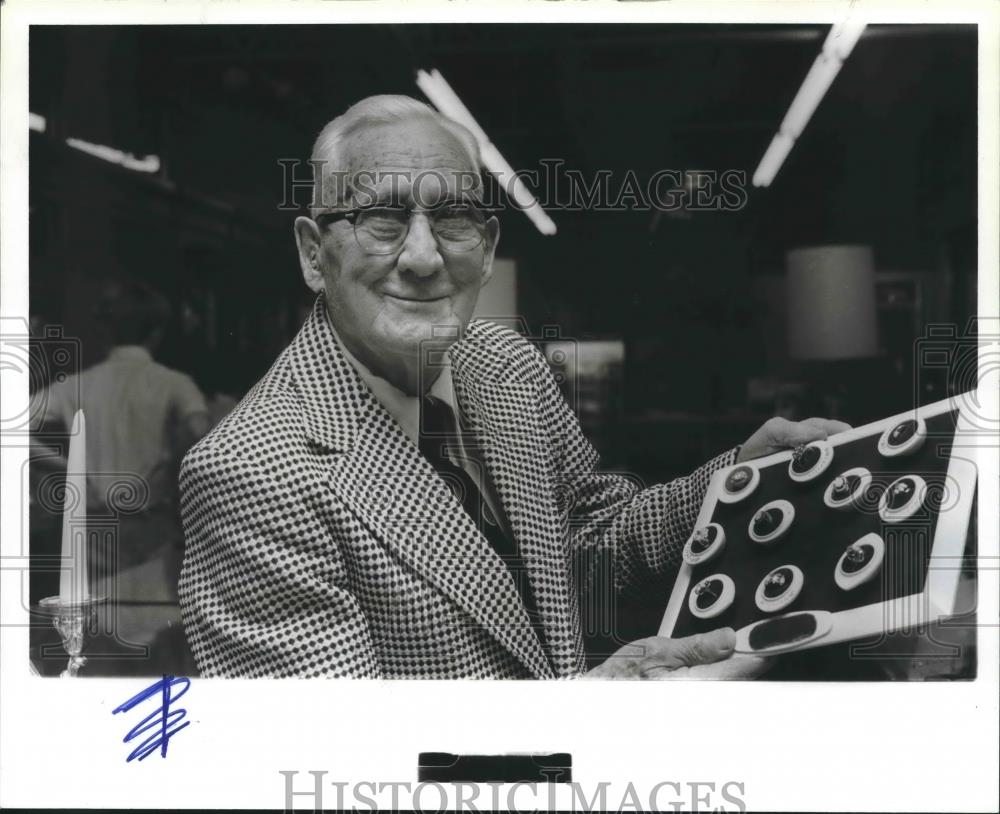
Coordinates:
437 435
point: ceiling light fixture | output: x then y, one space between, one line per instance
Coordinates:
448 104
839 43
149 163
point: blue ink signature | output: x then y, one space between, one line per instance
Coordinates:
163 720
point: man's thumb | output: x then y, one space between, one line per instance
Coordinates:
706 648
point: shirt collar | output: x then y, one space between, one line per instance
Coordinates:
401 406
135 353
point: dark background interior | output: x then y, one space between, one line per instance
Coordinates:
888 160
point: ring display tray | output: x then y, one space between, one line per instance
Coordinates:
872 560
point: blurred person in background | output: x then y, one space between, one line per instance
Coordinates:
141 418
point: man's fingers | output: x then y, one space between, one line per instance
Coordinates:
658 656
828 425
704 648
792 434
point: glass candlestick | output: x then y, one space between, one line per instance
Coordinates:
70 619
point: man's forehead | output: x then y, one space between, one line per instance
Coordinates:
404 160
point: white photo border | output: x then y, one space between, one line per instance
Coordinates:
886 746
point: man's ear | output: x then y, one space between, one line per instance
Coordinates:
490 248
307 238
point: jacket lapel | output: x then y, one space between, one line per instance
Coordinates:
503 411
396 493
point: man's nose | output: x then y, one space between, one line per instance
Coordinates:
420 254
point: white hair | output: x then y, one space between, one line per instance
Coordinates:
372 112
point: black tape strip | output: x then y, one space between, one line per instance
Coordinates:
444 767
782 630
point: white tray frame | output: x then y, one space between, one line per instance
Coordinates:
947 550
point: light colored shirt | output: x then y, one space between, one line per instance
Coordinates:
406 410
133 408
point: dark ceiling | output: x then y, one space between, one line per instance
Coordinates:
620 97
888 159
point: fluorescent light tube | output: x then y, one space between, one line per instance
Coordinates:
821 75
839 42
842 39
775 156
448 104
149 163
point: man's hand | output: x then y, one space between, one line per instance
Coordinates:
705 655
780 433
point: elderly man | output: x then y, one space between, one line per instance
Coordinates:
405 493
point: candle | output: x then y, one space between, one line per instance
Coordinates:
73 585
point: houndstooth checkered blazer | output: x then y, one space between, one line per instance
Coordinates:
319 542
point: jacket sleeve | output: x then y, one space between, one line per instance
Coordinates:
619 527
261 591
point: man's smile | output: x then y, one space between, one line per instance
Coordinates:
403 298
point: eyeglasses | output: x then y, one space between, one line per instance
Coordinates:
382 229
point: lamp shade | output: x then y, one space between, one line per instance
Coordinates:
831 303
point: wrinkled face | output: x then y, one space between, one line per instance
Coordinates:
384 305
